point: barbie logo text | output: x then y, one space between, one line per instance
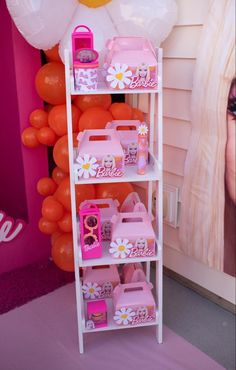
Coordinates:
9 229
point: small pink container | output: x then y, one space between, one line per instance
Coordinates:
132 235
128 138
133 273
99 281
97 313
90 232
108 208
130 63
133 303
100 154
85 59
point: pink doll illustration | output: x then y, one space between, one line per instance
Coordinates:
143 72
106 230
90 325
107 289
86 55
108 161
141 244
133 150
142 312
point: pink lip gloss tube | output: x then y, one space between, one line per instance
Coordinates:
142 154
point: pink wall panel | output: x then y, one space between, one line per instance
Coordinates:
20 167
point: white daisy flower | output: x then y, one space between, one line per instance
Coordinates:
86 166
124 316
142 129
91 290
119 75
120 248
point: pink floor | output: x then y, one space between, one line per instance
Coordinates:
41 335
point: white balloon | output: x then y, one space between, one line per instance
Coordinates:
42 22
151 19
98 21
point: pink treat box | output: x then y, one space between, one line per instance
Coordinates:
97 313
100 154
133 303
128 138
132 235
99 281
108 208
130 63
133 273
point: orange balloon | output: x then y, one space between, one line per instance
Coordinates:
117 191
84 102
65 223
54 236
121 111
46 186
57 119
29 137
52 54
50 83
61 153
58 175
46 136
82 192
38 118
62 252
94 118
52 210
47 227
138 114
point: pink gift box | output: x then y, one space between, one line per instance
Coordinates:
132 235
97 313
133 303
100 154
130 63
128 138
108 208
133 273
99 281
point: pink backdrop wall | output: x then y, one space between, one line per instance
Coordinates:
20 168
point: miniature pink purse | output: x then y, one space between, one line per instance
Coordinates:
133 303
100 154
132 235
90 232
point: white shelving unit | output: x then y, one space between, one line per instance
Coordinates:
154 180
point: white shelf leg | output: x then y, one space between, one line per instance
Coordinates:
73 206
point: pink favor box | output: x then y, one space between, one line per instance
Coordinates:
132 235
108 208
133 303
128 138
100 154
133 273
99 281
130 63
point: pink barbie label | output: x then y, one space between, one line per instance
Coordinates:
108 166
124 248
134 315
137 82
92 290
88 247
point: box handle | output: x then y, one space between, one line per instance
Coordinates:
82 26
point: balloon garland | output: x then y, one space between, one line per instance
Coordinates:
49 127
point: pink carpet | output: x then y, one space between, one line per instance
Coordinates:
41 335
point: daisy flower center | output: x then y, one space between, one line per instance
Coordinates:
91 290
121 248
124 316
86 166
119 76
